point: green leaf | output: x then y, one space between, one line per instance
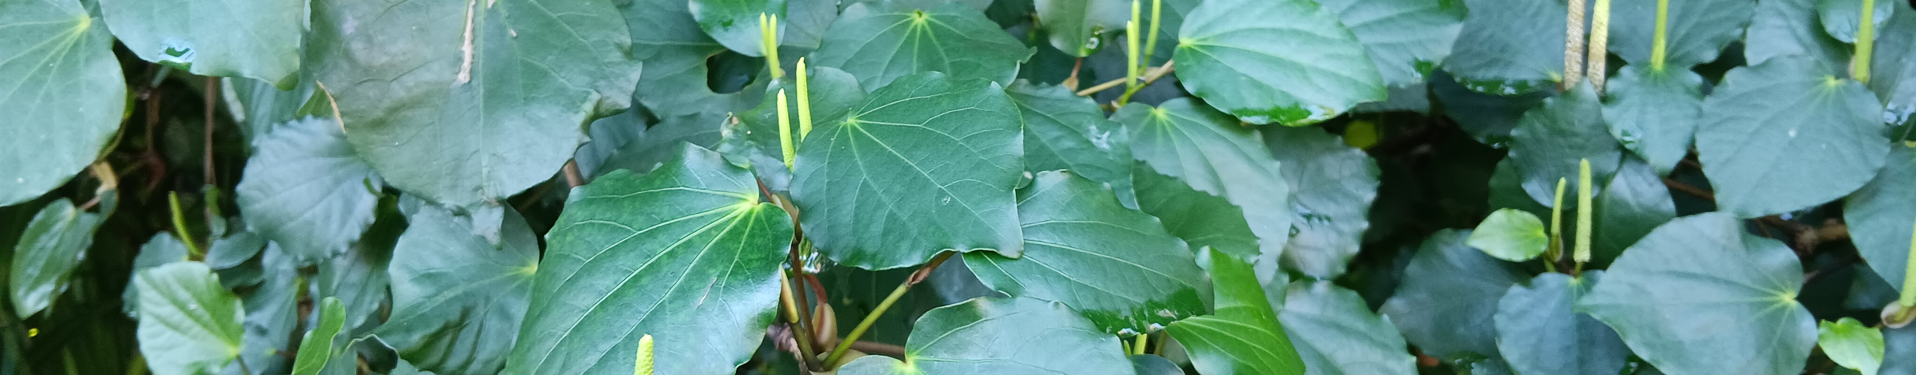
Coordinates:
1634 203
306 189
1831 129
272 314
1448 297
50 247
1244 336
1891 76
234 250
660 143
674 51
1115 265
833 93
316 348
1065 131
686 254
469 109
66 95
882 42
1843 18
1330 199
1554 138
1851 344
735 23
457 299
1654 113
188 323
1001 336
856 292
1406 39
1274 61
1081 27
1150 364
925 165
358 277
1510 47
1741 316
158 250
1336 332
1881 217
254 39
259 106
1899 350
1788 28
1538 333
1200 219
1695 31
1214 154
1510 234
808 22
1487 118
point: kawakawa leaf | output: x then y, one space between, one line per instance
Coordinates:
1539 333
882 42
1841 19
1780 28
1274 61
457 299
1739 312
1066 131
925 165
1788 134
307 190
1332 186
64 95
1653 113
467 102
1882 216
1448 297
1244 336
1510 234
1001 336
734 23
1406 38
1115 265
1337 334
1213 153
316 348
255 39
1695 30
686 253
1851 344
1510 47
188 323
675 51
50 248
1080 27
1552 139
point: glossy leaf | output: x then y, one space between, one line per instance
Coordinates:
1882 217
735 23
686 254
1066 131
1654 113
1696 31
316 348
1214 154
1842 19
882 42
1115 265
1634 203
188 323
1332 187
1448 297
272 315
1244 335
1080 27
64 95
660 143
1510 47
1851 344
1554 138
1830 128
674 50
50 248
1538 333
1406 39
307 190
358 277
924 165
254 39
458 300
833 93
463 102
1742 316
1200 219
1336 332
1001 336
1780 28
1898 346
1274 61
1893 71
1510 234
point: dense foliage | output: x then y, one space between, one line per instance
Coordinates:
958 187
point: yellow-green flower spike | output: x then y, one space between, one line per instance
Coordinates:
768 35
1556 225
1909 277
1659 43
804 103
1865 42
785 131
1132 49
644 365
1151 41
1584 209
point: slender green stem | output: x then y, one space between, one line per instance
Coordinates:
838 354
1908 299
179 224
1584 209
1659 43
1151 40
1131 54
1865 42
785 131
768 34
1599 45
804 102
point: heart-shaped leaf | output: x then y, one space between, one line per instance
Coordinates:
1634 203
1244 336
1214 154
1741 314
1510 234
458 300
1274 61
1066 131
1331 192
1882 217
1115 265
1780 28
189 324
316 348
307 190
50 247
255 39
1851 344
686 254
1831 129
65 95
925 165
1406 38
1553 139
1538 333
1448 298
882 42
1654 113
1001 336
1695 30
1336 332
1200 219
1510 47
